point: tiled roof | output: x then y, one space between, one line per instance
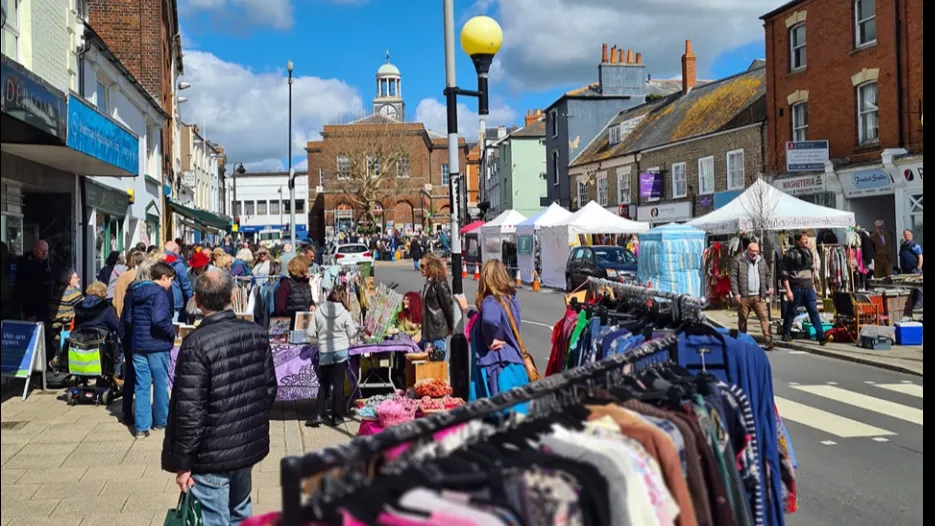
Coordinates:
721 105
536 129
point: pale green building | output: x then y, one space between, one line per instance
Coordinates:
522 170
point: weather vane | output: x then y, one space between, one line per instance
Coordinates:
387 56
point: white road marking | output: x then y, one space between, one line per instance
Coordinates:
798 352
880 439
829 442
547 326
906 382
909 389
869 382
793 383
832 383
824 421
870 403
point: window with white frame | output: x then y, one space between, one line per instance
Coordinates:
555 168
10 34
613 135
274 207
152 160
868 123
446 174
102 96
735 170
623 186
865 15
602 190
402 167
797 59
679 181
261 209
343 167
553 119
706 176
249 208
373 167
582 193
800 121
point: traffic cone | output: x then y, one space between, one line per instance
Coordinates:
519 279
463 269
477 272
535 281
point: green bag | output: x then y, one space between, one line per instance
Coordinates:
186 513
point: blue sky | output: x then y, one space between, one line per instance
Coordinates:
236 51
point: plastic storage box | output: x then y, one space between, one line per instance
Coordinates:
810 329
908 333
876 343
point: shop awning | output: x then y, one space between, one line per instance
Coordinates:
202 217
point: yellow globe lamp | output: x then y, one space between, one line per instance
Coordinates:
481 38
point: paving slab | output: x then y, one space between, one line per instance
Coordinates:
79 506
156 502
12 493
11 475
51 475
113 473
68 490
29 509
142 518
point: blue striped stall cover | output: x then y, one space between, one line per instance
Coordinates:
671 258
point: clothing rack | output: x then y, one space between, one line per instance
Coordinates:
293 470
685 306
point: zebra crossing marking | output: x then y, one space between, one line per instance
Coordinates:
829 443
880 439
908 389
870 403
827 422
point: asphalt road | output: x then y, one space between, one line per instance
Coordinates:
856 430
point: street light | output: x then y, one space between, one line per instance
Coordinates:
292 229
240 170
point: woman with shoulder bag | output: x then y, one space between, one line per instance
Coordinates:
437 306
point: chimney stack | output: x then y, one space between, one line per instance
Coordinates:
604 53
688 68
532 116
629 56
613 55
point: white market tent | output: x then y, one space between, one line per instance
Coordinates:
762 206
530 228
498 230
557 239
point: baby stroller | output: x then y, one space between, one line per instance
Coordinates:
93 367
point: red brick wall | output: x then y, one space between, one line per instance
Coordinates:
831 61
134 30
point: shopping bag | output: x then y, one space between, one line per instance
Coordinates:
186 513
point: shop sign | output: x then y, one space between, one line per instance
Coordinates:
651 186
724 198
865 183
30 99
524 245
96 135
107 200
626 211
665 212
706 201
912 175
802 185
806 156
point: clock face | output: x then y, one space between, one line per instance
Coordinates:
388 111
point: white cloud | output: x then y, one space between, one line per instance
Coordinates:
247 111
277 14
434 115
549 43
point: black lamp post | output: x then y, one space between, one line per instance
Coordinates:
292 228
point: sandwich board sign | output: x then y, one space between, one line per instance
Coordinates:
23 351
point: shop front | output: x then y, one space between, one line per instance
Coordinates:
107 214
816 188
202 222
664 213
908 195
869 193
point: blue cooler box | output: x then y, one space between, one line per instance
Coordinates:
908 333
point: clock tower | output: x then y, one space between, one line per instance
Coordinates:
389 99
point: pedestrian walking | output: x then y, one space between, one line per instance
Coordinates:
750 284
416 251
437 307
334 329
910 255
147 325
218 426
181 285
798 281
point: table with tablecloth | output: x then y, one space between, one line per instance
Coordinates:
296 366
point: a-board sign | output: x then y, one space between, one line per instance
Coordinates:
22 344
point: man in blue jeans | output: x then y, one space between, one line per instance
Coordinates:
225 384
798 282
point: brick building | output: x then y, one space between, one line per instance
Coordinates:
850 73
397 169
679 157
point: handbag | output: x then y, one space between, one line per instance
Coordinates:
531 370
186 513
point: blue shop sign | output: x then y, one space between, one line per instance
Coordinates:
28 98
94 134
253 229
722 198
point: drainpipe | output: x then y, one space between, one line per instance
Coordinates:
899 73
85 216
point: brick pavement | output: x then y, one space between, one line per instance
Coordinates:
77 465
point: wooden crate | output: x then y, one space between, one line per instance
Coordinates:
417 370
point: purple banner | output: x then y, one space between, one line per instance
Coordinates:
650 186
706 201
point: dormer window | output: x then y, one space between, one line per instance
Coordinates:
613 135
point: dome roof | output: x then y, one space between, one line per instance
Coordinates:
388 70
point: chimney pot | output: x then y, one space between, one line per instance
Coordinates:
613 55
639 58
629 56
620 56
604 52
688 47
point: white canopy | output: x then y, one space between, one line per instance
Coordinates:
556 239
555 213
762 206
496 231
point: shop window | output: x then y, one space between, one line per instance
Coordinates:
915 218
865 28
868 123
797 58
679 181
602 190
800 121
735 170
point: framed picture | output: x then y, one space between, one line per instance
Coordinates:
279 326
303 320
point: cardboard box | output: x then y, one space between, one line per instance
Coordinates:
422 369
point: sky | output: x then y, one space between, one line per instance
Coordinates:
235 54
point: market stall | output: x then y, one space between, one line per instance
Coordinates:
527 238
499 232
557 239
671 259
470 242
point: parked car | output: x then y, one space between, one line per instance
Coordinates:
610 262
348 254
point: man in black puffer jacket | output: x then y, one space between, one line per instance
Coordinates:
225 383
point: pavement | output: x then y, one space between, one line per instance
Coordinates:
857 432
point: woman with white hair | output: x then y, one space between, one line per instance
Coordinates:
242 263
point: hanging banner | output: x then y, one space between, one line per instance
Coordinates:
524 245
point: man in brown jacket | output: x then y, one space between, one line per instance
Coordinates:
134 258
751 284
882 245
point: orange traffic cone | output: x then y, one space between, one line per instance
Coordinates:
463 269
535 281
519 279
477 272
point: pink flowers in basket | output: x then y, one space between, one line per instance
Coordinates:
397 410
